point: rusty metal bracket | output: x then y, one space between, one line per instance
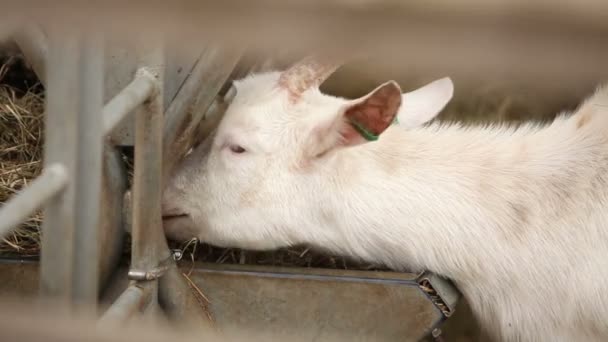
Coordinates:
152 274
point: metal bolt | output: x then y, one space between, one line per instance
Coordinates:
177 254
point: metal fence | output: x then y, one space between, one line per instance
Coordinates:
77 126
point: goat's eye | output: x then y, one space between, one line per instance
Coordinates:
236 149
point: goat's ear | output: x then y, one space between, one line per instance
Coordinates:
359 121
424 104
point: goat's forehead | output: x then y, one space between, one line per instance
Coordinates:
261 103
253 114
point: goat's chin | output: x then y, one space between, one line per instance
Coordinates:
179 228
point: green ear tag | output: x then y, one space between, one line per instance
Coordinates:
367 135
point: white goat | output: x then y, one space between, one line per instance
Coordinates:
516 217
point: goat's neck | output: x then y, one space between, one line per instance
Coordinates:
454 202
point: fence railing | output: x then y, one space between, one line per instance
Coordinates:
69 187
550 43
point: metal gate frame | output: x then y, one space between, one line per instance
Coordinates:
77 123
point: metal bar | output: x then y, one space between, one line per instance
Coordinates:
61 143
130 302
212 70
123 59
591 14
25 321
211 120
147 235
33 43
127 100
553 46
146 180
215 111
111 238
88 173
51 181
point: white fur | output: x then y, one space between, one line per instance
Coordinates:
516 217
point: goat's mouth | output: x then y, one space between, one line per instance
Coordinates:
173 216
171 213
178 226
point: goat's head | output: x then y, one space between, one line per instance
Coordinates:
247 185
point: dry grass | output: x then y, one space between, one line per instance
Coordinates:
21 141
296 256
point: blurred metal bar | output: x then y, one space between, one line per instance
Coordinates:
112 234
61 146
211 120
32 41
25 321
126 101
48 184
214 112
200 89
586 14
132 301
551 44
89 172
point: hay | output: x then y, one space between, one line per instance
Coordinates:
20 162
296 256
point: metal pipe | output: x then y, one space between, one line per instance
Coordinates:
146 179
127 100
555 47
111 231
130 302
61 146
88 173
51 181
148 246
33 43
212 70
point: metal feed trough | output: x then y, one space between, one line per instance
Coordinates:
101 97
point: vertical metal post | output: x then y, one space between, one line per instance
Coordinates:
147 233
201 87
89 172
61 143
